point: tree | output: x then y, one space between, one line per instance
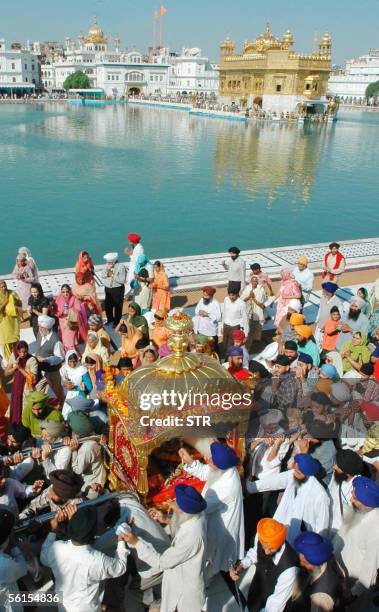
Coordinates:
77 80
372 90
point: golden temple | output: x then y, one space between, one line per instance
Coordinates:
271 75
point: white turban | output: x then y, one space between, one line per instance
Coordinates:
358 301
294 305
110 257
270 352
46 322
272 417
341 392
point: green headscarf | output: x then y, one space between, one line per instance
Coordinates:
36 397
141 324
80 423
360 353
201 339
135 307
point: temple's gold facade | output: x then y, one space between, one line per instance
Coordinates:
268 73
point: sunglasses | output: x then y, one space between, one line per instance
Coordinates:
158 318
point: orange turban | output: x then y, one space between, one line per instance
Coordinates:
297 319
304 330
271 532
303 261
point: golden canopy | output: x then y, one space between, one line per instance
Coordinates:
96 35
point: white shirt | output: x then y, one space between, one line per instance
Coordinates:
13 490
308 502
138 250
224 511
236 270
183 566
305 278
59 459
58 356
340 495
12 568
235 313
79 572
286 581
208 326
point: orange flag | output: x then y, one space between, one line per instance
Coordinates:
162 11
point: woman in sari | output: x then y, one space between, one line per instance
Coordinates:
10 306
289 290
72 318
38 304
364 295
161 288
93 363
75 379
24 274
24 369
355 353
31 261
130 335
84 287
159 333
94 345
133 316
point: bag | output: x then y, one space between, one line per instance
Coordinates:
72 320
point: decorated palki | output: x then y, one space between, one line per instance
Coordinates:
183 397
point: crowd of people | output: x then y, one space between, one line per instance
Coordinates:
288 524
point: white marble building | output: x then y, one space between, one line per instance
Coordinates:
19 70
118 73
191 72
351 85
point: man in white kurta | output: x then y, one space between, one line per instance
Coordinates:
348 465
183 564
356 545
304 499
80 570
223 494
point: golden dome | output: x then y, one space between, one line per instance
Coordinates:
96 35
262 43
188 374
287 39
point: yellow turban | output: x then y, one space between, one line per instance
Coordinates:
303 261
304 330
271 532
297 319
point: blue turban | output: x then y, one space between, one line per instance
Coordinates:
329 287
307 465
315 548
223 456
305 358
189 500
330 371
235 351
366 491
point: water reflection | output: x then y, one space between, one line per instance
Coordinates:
271 160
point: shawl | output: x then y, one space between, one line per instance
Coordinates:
360 353
84 270
289 287
74 375
18 385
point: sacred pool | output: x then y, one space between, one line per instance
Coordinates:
75 177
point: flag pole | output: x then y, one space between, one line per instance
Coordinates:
161 31
154 32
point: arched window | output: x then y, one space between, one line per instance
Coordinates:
134 76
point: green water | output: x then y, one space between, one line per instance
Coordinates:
74 178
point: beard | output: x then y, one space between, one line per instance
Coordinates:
177 520
353 314
206 301
302 342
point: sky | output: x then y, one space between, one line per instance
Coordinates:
352 24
